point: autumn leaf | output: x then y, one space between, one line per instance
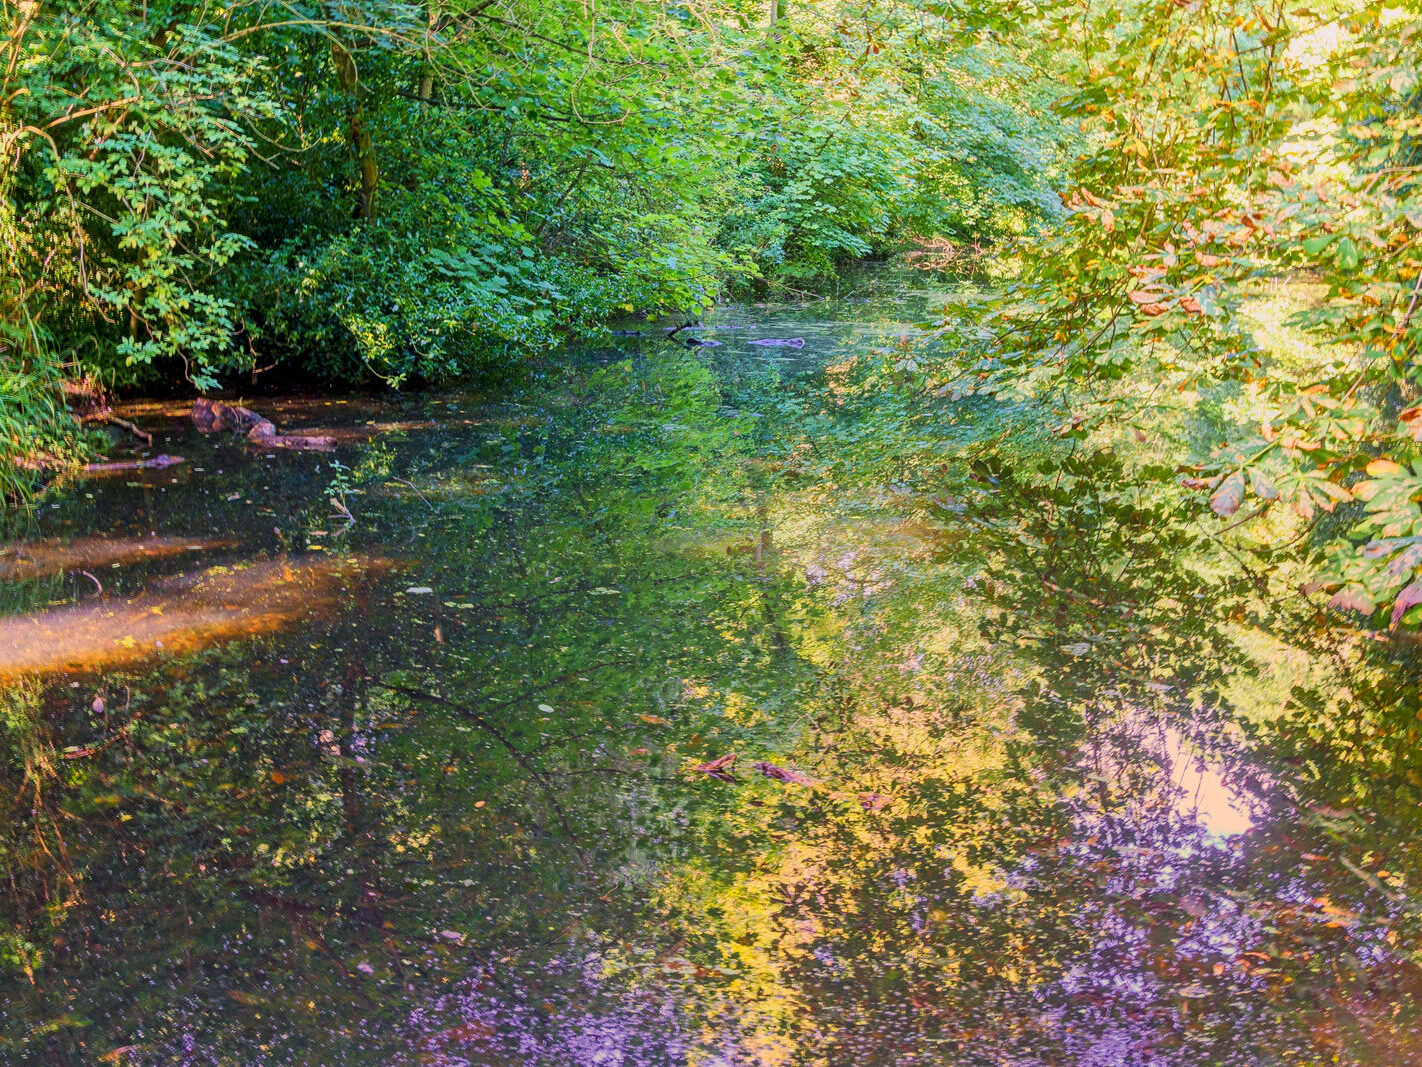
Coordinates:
1379 467
782 774
1140 296
1226 499
1353 598
1409 597
1152 310
720 767
1412 419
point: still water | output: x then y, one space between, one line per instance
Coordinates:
727 706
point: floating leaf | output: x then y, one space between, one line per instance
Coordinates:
720 767
783 774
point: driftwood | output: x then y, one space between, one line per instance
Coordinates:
109 417
90 403
160 461
210 416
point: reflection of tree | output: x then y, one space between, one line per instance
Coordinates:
291 854
1043 889
463 823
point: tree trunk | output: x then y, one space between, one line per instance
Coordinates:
427 75
362 146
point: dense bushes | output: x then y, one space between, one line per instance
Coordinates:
382 189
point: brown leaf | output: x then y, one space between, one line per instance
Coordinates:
782 774
1409 597
1192 305
1226 499
1412 419
1208 261
1152 310
1353 598
1140 296
1199 483
720 767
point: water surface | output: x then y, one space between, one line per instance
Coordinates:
421 753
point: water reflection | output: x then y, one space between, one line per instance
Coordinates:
1022 774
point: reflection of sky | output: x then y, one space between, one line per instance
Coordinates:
1203 794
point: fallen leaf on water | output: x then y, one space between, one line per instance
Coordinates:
783 774
719 768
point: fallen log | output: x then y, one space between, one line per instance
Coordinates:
210 416
160 461
107 416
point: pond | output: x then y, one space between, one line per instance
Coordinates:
725 705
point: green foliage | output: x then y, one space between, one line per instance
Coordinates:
35 427
400 190
887 134
1230 144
